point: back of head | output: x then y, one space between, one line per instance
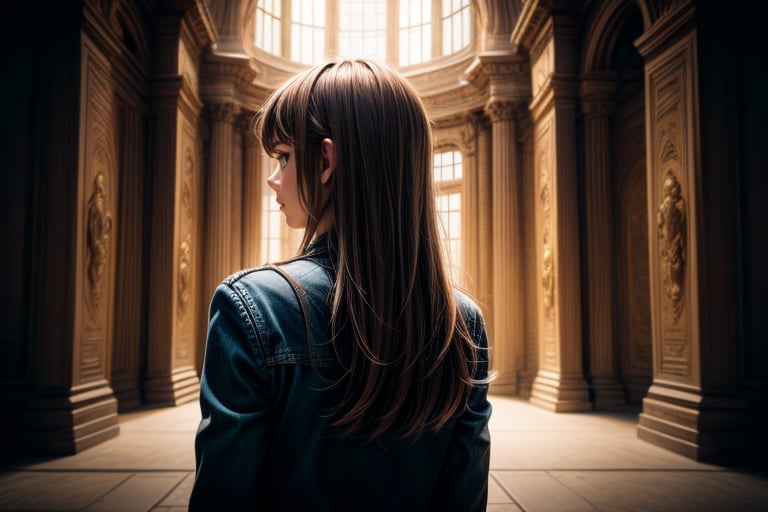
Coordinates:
398 334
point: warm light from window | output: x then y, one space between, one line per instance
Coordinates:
267 30
271 219
448 172
363 28
456 25
415 31
308 31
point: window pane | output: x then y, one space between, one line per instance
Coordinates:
267 29
456 26
307 30
447 171
415 31
362 28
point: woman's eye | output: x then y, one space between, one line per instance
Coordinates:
283 159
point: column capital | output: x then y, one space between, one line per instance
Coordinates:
597 107
244 123
597 97
501 110
226 111
505 74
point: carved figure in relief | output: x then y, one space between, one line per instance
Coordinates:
186 185
185 275
99 228
548 279
671 222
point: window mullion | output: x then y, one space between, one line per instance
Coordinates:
437 28
332 27
393 32
285 28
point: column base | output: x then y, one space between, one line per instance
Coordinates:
637 387
505 383
559 393
66 422
178 387
608 393
702 428
526 383
128 393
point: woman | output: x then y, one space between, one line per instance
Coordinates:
353 376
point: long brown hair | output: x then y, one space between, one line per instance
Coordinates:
408 360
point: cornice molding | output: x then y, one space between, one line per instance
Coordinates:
670 26
532 17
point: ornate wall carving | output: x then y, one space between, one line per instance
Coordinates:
99 176
185 255
671 228
671 136
99 230
543 67
543 166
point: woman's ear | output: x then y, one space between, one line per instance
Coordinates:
328 150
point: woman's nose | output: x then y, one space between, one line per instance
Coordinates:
274 179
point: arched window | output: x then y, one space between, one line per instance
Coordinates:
398 32
448 182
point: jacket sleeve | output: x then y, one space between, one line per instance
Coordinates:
463 481
230 442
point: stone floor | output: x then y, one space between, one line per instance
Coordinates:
540 462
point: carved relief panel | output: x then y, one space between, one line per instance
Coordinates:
544 160
543 65
187 250
672 146
98 199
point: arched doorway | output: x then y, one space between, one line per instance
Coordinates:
618 349
633 317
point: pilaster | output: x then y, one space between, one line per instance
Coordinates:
597 107
219 192
559 384
130 321
71 405
485 222
175 245
694 406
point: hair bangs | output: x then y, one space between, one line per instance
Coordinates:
278 119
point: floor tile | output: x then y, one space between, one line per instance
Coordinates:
139 493
43 490
537 491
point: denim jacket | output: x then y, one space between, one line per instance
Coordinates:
264 443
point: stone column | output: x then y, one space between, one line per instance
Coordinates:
175 244
236 203
485 222
597 108
470 244
559 384
129 313
218 197
253 184
509 333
